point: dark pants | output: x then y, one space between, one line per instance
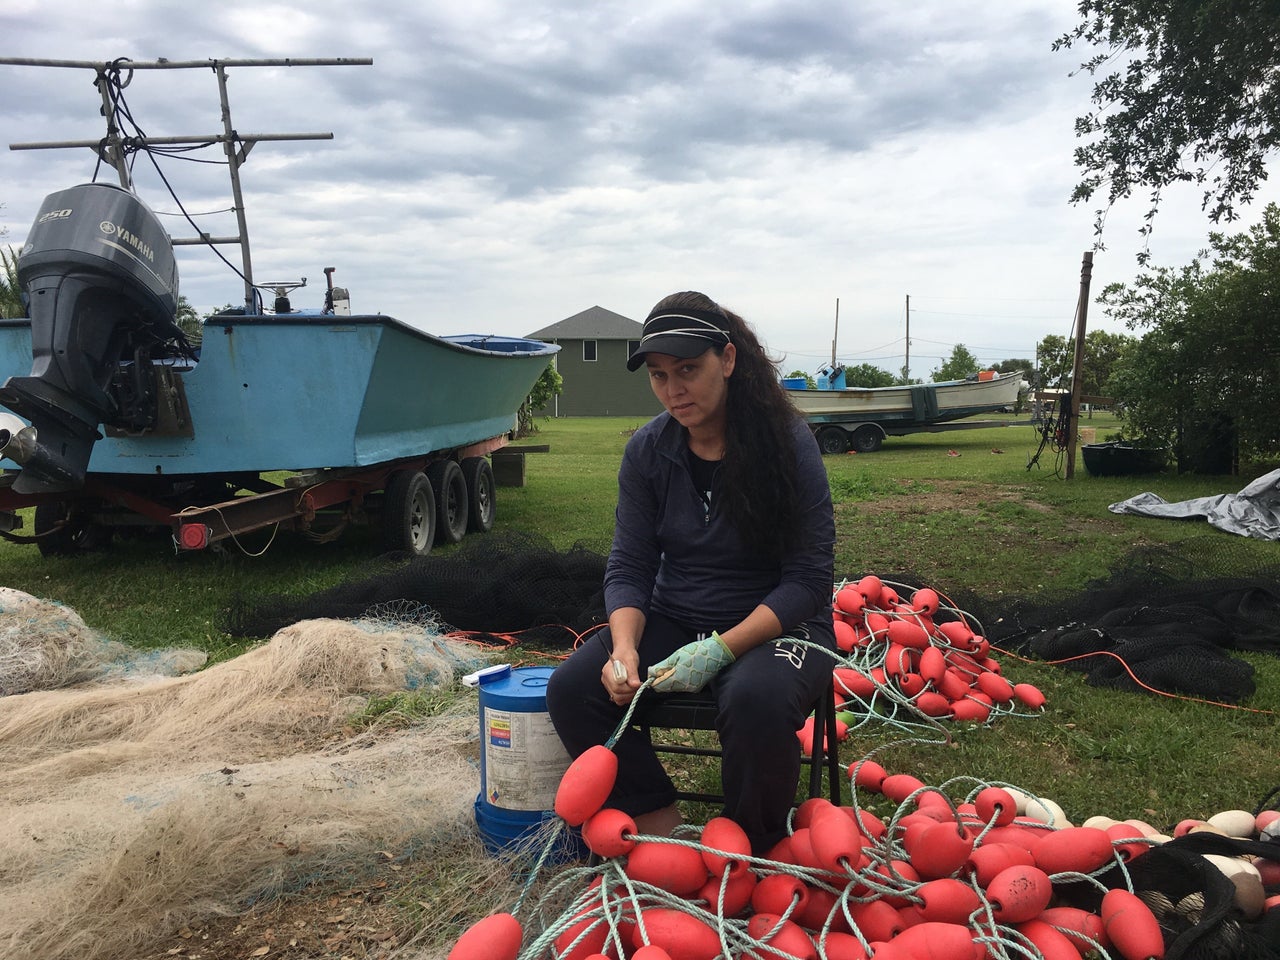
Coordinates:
763 699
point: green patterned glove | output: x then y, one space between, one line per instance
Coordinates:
692 666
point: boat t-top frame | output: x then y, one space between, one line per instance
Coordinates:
116 147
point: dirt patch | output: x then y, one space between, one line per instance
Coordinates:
954 495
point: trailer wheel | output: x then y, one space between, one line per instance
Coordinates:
409 513
451 500
77 533
483 490
867 439
833 440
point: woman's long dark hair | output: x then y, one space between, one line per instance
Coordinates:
758 472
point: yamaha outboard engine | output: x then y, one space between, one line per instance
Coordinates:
102 284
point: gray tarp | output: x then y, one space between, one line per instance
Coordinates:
1253 512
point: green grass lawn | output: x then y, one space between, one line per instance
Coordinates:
959 510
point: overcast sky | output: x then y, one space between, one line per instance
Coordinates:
503 165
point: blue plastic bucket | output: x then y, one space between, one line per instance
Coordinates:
521 761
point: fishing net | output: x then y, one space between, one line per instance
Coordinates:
1163 617
498 584
45 645
130 808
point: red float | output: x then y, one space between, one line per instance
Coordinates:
868 774
849 600
948 901
925 600
837 842
682 935
1081 926
935 941
776 892
995 804
932 704
1018 893
995 686
786 936
908 633
1028 695
737 894
496 937
1052 944
844 946
846 636
586 785
899 786
939 850
725 835
674 868
609 833
1131 926
870 587
969 710
1073 850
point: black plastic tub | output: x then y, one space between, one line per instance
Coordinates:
1115 459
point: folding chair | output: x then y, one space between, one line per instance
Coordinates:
697 711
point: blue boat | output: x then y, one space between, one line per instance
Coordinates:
116 417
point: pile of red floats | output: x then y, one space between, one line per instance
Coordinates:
940 880
912 651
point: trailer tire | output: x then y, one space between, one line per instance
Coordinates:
483 491
451 500
867 439
833 440
78 535
409 513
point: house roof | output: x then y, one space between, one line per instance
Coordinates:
595 323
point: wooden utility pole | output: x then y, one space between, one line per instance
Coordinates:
1077 366
906 367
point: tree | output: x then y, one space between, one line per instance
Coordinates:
187 319
549 385
10 291
1101 349
1013 366
1186 92
809 382
867 375
1208 365
959 365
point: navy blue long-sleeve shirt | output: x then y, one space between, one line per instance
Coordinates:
673 555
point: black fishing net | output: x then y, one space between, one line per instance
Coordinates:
1194 901
496 583
1164 617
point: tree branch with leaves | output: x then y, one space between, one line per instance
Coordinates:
1186 91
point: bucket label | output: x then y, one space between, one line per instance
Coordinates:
524 760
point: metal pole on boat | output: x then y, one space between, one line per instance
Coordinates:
109 149
835 336
1077 365
236 156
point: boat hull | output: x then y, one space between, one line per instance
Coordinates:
916 404
313 392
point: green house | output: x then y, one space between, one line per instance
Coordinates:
594 346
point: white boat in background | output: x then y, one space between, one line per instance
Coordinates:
859 418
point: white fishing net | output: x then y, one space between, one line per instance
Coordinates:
128 808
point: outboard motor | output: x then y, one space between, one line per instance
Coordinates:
102 285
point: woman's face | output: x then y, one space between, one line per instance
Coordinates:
694 390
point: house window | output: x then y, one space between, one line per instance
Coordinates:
588 351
